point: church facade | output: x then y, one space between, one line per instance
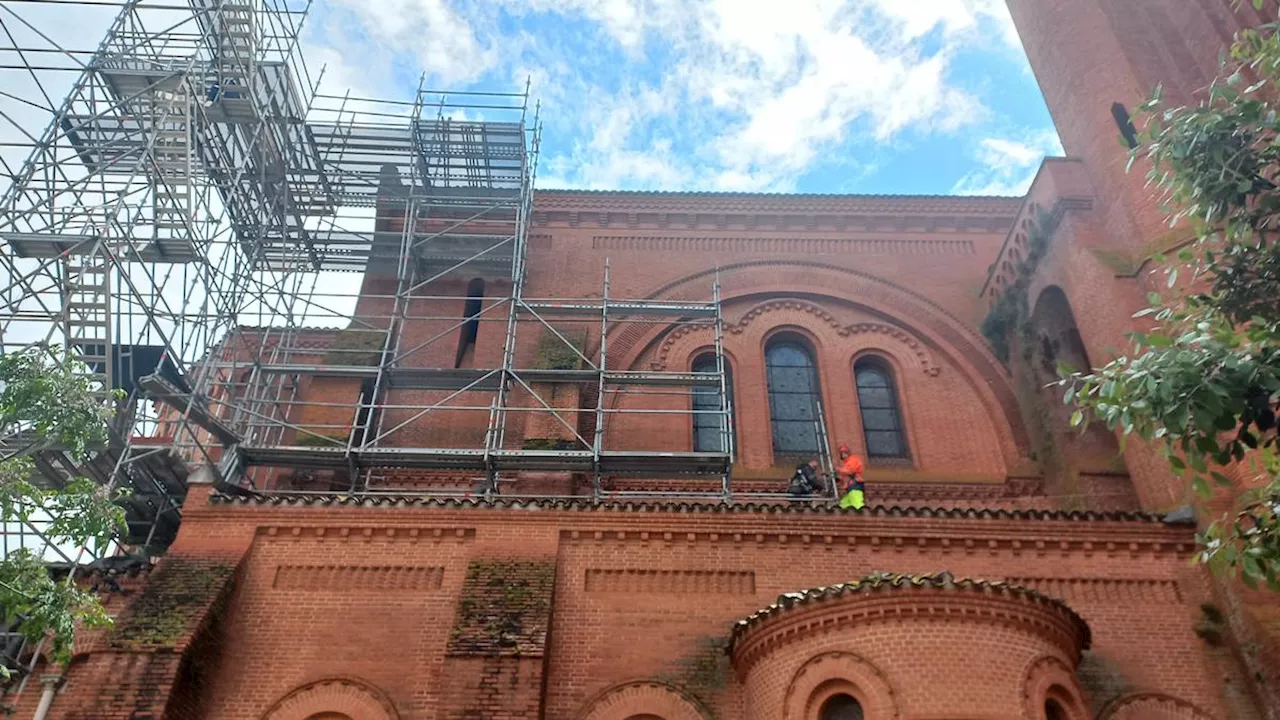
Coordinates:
1005 566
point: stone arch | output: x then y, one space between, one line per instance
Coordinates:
353 698
935 326
833 673
1050 678
1152 706
643 698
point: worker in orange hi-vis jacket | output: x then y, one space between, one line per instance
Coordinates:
850 472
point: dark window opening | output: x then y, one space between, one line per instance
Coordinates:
794 404
1054 711
1127 131
707 435
366 416
881 416
841 707
471 328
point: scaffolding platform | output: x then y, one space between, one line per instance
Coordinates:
610 462
410 378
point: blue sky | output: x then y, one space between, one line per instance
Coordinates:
848 96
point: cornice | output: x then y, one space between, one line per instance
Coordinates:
587 504
773 202
889 530
800 213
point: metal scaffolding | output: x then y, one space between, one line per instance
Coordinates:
279 279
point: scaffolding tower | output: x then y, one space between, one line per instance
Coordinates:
252 262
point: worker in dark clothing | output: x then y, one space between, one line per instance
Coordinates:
806 481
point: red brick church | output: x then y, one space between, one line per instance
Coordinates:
548 478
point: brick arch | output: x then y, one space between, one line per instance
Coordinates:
1050 677
643 698
354 698
1152 706
898 339
832 673
677 336
938 328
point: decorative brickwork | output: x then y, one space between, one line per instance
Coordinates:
872 639
780 245
643 699
1152 706
703 582
385 578
505 609
338 696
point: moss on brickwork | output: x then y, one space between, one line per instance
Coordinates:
356 346
703 671
322 438
549 444
170 605
1009 316
505 609
553 353
1101 679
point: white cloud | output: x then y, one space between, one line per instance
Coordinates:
759 90
1008 165
681 94
430 32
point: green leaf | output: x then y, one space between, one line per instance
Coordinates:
1201 487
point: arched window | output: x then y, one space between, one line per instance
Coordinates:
793 398
706 405
840 707
878 403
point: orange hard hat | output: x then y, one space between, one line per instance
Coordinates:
843 448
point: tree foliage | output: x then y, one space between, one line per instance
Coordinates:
46 403
1204 382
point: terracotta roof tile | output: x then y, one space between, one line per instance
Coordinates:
587 504
884 581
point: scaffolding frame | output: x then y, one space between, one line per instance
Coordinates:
194 212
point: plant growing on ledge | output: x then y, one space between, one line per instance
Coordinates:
43 403
356 346
1205 381
1009 317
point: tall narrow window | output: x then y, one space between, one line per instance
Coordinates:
841 707
793 398
706 405
470 328
1127 131
881 417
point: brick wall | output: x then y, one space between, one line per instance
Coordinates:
406 597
